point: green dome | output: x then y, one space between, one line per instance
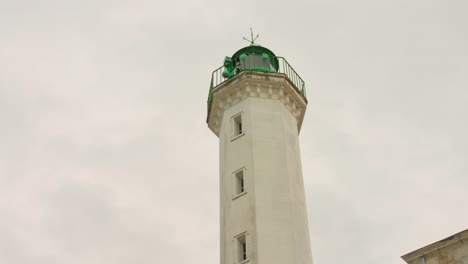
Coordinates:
256 50
252 54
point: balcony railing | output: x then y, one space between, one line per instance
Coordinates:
283 67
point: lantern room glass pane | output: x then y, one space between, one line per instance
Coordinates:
256 62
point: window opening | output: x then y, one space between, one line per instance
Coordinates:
240 184
238 125
242 248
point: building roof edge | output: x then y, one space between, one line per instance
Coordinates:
460 236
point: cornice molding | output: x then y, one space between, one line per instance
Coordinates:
275 86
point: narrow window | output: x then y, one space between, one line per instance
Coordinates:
242 248
237 125
240 185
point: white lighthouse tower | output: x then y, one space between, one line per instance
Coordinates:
256 105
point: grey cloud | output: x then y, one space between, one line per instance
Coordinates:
105 156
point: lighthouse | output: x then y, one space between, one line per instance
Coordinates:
256 105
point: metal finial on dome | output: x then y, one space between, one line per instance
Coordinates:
252 39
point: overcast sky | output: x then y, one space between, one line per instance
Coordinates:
105 156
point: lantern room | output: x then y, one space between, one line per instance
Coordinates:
252 58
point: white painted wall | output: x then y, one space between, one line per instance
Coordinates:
272 212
